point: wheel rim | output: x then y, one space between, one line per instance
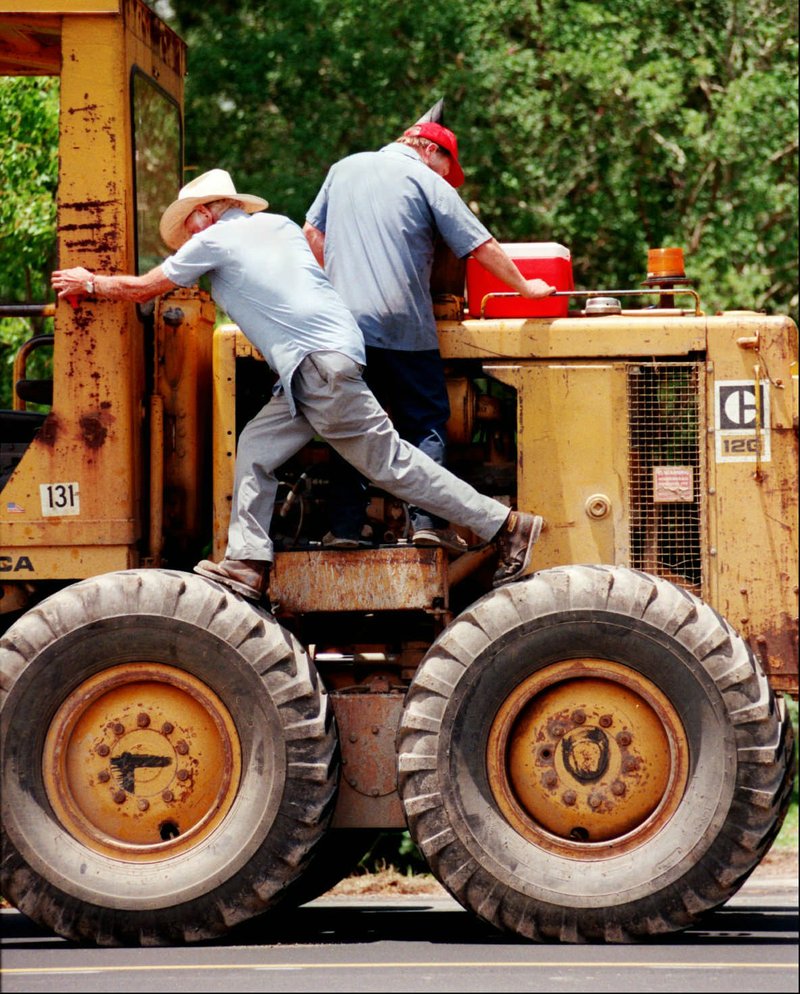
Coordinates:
141 762
587 755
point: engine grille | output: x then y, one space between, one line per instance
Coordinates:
666 409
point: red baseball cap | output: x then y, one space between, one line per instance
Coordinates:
446 140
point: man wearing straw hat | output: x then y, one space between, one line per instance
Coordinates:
265 277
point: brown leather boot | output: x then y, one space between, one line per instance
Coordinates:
514 544
247 577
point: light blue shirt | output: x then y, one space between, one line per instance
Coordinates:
380 212
266 279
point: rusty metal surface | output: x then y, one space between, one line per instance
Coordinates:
367 724
584 753
389 579
141 761
91 445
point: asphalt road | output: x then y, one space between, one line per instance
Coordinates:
424 943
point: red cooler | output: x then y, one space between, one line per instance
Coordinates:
546 261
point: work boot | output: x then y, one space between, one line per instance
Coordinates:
247 577
514 543
442 538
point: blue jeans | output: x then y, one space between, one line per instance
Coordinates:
411 387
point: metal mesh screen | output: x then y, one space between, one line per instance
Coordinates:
665 414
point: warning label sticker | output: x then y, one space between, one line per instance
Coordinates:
673 485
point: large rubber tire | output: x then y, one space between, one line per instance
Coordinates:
82 867
476 736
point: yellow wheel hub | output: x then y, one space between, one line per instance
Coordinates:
587 752
141 762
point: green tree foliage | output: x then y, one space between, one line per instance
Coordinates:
610 127
28 178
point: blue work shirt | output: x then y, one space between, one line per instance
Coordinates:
380 212
266 279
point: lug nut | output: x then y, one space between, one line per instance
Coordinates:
624 738
595 800
143 804
142 719
168 728
103 776
183 774
579 717
569 797
549 778
167 796
629 764
102 749
606 720
117 728
181 748
618 788
119 796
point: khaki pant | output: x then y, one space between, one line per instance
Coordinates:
334 402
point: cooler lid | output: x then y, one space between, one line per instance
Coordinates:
536 250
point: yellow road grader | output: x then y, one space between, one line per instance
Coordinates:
600 751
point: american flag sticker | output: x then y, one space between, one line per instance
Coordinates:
13 508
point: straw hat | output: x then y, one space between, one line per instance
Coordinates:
216 184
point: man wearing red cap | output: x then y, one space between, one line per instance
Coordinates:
373 227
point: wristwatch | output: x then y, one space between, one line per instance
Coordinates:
88 286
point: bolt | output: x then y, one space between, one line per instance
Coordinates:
569 797
374 792
143 804
624 738
103 776
181 748
117 728
353 737
558 731
102 749
183 774
167 796
168 728
119 796
595 800
352 781
375 730
550 779
606 720
578 717
629 764
618 788
142 719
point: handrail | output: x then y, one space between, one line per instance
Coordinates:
27 310
600 293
